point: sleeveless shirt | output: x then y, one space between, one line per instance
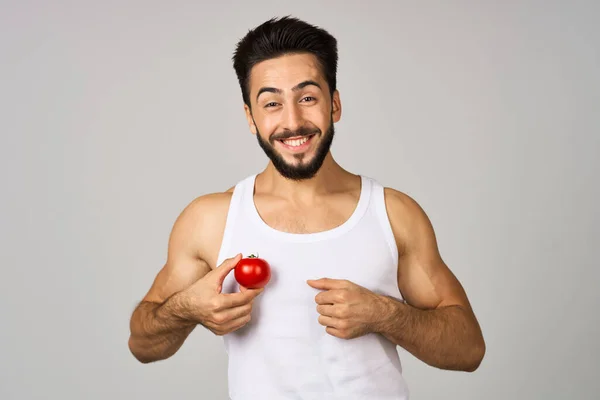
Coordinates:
284 352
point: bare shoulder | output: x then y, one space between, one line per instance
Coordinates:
203 220
424 279
193 244
206 207
400 202
409 221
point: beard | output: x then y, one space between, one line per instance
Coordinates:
302 170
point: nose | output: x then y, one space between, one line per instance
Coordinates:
292 118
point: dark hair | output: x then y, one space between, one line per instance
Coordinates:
281 36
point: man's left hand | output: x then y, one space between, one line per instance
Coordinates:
348 310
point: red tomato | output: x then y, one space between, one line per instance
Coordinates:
252 272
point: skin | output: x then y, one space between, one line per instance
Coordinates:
435 322
187 290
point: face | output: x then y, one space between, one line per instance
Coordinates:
292 114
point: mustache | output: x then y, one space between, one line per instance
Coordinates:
297 133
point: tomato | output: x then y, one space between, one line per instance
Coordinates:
252 272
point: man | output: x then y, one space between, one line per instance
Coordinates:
356 270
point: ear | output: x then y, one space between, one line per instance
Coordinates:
336 106
250 119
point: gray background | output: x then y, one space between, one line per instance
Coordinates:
115 115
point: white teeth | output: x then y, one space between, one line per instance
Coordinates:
296 142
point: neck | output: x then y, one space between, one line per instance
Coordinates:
331 177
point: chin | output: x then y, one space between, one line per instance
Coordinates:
301 164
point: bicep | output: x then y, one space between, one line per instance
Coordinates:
424 279
174 277
426 282
184 266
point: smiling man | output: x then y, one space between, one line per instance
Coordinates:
356 270
296 129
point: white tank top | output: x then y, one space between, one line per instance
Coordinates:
284 353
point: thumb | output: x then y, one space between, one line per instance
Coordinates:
219 273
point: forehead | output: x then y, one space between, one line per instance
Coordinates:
285 72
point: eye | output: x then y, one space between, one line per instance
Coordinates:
308 98
271 104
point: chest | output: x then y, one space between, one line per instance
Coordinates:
288 302
297 218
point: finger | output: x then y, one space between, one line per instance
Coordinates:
327 310
231 314
219 273
337 332
328 283
329 321
239 323
330 297
235 324
231 300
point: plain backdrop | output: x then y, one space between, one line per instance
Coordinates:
114 115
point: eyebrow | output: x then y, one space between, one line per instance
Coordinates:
299 86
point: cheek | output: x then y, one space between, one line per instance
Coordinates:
320 117
267 127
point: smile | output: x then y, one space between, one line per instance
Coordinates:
296 144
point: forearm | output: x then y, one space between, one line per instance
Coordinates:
158 330
446 338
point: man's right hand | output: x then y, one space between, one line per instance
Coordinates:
221 313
